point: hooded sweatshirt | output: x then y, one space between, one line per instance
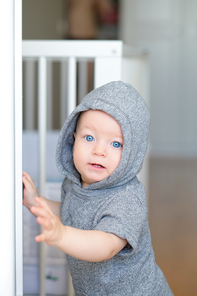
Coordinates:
116 204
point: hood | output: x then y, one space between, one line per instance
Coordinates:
124 103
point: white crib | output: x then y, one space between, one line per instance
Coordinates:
111 61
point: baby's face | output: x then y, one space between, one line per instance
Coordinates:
98 146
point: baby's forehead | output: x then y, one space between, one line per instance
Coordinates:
99 120
93 115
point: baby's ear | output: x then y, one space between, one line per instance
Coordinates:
74 135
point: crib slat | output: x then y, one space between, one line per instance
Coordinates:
42 110
49 95
71 102
63 91
83 79
42 99
29 94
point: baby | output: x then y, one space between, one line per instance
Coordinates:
101 222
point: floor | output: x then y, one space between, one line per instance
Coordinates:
173 221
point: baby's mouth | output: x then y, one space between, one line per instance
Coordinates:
96 165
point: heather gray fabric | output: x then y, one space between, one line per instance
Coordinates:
116 204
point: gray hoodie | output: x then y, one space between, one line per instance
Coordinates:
116 204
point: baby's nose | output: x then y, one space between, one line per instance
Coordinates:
99 150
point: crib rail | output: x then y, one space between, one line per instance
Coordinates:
72 48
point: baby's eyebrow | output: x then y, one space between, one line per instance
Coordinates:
85 127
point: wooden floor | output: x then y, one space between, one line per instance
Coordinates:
173 221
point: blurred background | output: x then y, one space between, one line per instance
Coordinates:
167 31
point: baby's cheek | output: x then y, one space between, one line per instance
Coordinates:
117 159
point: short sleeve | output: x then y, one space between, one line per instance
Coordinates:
124 216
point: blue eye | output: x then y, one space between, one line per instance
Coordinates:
89 138
116 144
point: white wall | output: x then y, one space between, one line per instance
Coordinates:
167 30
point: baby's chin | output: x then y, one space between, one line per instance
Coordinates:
86 183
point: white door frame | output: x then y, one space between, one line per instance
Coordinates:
11 272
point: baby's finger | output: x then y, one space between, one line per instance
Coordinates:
27 177
28 183
46 223
40 238
42 212
42 203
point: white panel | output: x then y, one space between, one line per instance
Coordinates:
18 150
135 70
106 70
7 220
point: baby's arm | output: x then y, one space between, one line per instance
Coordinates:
30 192
88 245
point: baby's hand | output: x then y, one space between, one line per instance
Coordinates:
53 229
29 191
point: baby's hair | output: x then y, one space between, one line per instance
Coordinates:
77 123
78 120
